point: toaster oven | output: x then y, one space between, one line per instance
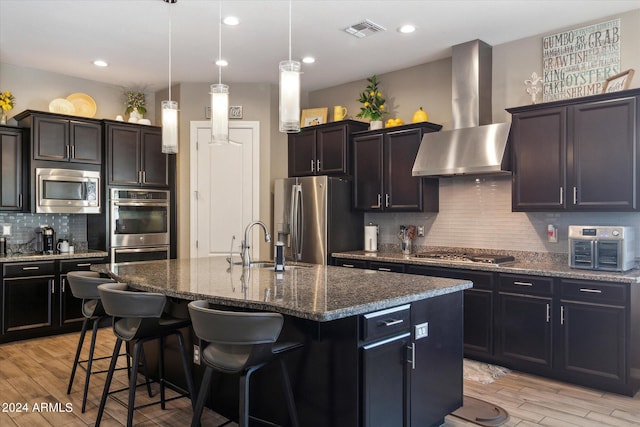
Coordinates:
608 248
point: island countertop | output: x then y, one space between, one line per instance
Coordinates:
314 292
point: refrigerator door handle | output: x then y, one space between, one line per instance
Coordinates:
296 223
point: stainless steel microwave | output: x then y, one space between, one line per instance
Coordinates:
67 191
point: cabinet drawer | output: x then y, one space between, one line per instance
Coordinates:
385 322
80 264
350 263
526 284
19 269
386 266
594 291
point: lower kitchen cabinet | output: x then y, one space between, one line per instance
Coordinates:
70 306
386 266
28 295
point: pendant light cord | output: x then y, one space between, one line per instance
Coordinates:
170 37
220 41
289 30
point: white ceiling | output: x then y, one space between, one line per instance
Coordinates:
65 36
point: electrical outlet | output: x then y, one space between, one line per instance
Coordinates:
196 354
420 230
422 330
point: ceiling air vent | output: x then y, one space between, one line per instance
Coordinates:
364 29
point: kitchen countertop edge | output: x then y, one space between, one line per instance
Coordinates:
48 257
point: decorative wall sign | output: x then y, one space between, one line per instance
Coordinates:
578 62
618 82
235 112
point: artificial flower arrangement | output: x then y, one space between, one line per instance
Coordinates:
7 100
135 102
373 103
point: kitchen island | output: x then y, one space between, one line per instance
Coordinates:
379 349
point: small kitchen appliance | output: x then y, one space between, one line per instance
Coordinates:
371 237
3 246
45 240
609 248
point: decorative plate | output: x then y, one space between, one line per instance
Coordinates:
62 106
85 105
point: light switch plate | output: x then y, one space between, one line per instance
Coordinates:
422 330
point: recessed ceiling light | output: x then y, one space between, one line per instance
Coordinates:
231 20
100 63
406 29
222 63
308 59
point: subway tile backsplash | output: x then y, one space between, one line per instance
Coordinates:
70 226
476 213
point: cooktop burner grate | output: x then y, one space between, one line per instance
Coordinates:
487 258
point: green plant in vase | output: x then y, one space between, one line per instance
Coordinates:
373 103
136 103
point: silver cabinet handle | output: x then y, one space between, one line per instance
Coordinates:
575 195
561 195
591 291
312 165
383 269
318 166
30 268
386 200
52 283
73 152
548 312
412 360
83 264
522 283
68 151
379 205
348 265
562 315
392 322
144 177
20 200
62 282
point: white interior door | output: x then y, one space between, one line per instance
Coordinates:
224 184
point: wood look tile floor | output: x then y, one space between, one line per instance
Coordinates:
36 371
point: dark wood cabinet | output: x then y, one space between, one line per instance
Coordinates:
595 336
386 266
62 138
565 153
322 149
13 179
135 157
350 263
70 306
382 171
523 320
28 298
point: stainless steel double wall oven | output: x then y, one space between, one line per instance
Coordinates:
139 224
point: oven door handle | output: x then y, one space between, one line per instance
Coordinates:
140 204
145 249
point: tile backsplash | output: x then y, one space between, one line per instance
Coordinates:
476 213
71 226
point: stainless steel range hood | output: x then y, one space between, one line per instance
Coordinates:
475 146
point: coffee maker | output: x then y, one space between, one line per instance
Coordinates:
45 240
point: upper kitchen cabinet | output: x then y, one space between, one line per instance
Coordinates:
12 181
322 149
63 138
577 155
382 164
135 157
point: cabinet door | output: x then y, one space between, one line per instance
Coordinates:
11 181
70 306
50 138
155 163
539 150
523 329
331 151
403 192
603 157
593 341
124 155
349 263
86 142
384 382
367 172
27 303
302 153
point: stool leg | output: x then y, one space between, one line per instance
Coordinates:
146 372
107 383
94 334
85 325
161 372
291 403
186 368
243 420
137 349
202 397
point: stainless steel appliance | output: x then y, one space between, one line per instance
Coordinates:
67 191
485 258
139 224
610 248
313 218
45 240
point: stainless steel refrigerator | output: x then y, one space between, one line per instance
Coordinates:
313 218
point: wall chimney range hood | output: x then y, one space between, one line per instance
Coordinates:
475 146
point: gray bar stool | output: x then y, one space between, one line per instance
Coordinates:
139 317
239 343
84 286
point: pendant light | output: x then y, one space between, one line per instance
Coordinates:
220 97
289 91
170 110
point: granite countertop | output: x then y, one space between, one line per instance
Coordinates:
315 292
47 257
525 263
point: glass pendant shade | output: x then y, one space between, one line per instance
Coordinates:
289 96
169 127
219 113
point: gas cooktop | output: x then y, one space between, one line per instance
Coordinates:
484 258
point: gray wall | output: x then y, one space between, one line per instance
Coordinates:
477 214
